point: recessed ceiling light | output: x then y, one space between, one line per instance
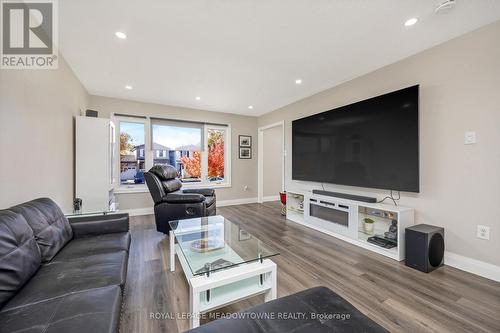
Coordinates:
298 81
250 107
128 87
197 98
411 22
120 35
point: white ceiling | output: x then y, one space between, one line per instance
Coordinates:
236 53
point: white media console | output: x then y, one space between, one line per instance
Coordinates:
345 219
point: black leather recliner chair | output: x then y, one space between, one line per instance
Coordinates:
173 203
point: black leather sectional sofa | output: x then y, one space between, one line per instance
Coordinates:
60 275
317 310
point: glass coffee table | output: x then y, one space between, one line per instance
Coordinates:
222 263
82 213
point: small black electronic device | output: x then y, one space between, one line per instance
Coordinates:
345 196
382 242
91 113
424 247
77 205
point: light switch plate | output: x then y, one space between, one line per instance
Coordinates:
470 137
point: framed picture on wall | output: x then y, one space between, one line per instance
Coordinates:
245 140
245 153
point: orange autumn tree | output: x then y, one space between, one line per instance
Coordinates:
192 166
126 144
215 154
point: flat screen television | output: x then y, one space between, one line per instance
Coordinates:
373 143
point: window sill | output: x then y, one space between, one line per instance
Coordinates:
206 185
144 189
131 189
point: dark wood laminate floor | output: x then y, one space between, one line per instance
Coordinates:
397 297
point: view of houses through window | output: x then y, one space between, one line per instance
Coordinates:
191 163
179 146
132 157
197 151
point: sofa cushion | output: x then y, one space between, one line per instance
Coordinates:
19 254
94 225
324 311
60 278
171 185
50 226
208 192
95 310
183 198
88 246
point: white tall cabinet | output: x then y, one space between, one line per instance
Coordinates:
95 151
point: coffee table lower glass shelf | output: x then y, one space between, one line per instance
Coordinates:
222 263
83 213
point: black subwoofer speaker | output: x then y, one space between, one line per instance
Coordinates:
424 247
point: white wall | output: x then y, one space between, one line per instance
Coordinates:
272 154
244 171
460 90
36 134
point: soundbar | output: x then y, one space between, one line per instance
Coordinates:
345 196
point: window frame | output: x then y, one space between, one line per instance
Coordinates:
149 155
131 188
227 154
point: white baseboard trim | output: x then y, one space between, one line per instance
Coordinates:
271 198
233 202
138 211
473 266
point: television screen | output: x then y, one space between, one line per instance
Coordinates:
373 143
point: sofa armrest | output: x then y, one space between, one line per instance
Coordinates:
208 192
96 225
183 198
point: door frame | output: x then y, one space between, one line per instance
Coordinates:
260 158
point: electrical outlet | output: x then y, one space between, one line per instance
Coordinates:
483 232
470 138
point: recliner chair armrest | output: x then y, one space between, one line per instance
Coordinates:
99 224
182 198
208 192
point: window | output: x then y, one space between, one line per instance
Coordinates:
132 162
161 153
183 144
216 150
200 153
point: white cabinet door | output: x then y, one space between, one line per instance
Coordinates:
93 169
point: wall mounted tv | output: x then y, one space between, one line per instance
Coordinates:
373 143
